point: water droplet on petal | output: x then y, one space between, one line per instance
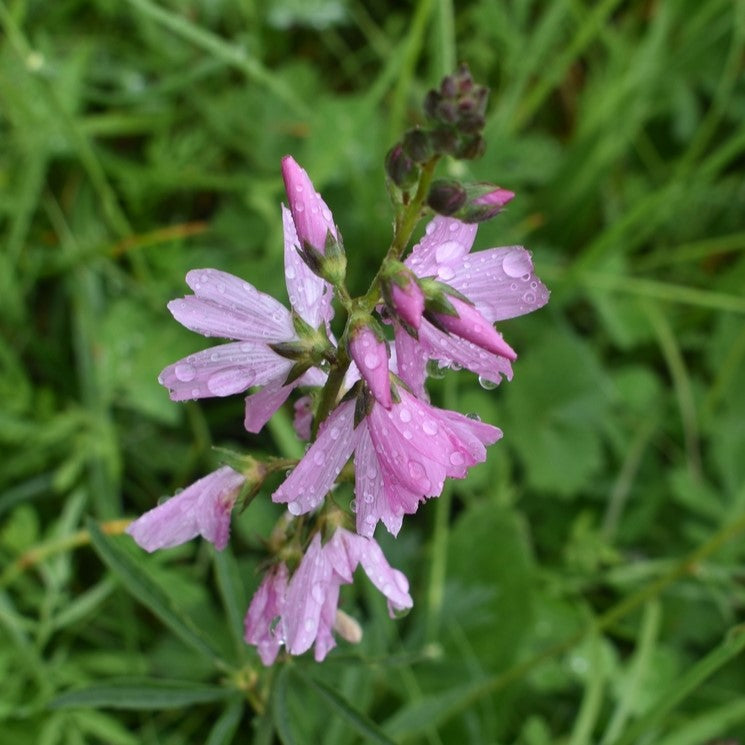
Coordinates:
353 505
404 414
185 372
429 426
290 272
299 207
448 250
486 384
457 459
317 593
294 508
372 360
517 263
334 433
445 273
319 457
309 624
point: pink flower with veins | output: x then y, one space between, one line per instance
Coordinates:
402 456
201 509
228 307
499 282
303 612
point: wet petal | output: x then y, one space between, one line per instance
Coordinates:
316 473
223 370
446 241
201 509
262 405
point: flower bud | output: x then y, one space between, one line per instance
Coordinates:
400 168
417 145
468 323
446 196
483 202
370 353
312 218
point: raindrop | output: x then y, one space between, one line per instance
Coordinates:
448 250
334 433
474 417
290 272
319 457
185 372
445 273
309 624
516 263
294 508
404 414
457 459
372 360
407 434
317 593
429 426
353 505
299 207
453 227
486 384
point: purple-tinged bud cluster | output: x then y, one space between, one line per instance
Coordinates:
363 394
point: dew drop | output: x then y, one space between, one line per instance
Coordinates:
353 505
195 392
407 434
516 263
317 593
372 361
290 272
445 273
334 433
404 414
430 227
474 417
448 250
429 426
529 297
416 470
319 457
294 508
486 384
326 212
453 227
185 372
368 497
457 459
309 624
299 207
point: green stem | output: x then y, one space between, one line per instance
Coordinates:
332 387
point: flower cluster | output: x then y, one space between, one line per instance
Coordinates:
363 394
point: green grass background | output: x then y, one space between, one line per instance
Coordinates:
585 585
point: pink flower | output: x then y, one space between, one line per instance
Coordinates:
312 218
201 509
408 302
262 622
370 354
305 613
499 282
226 306
402 456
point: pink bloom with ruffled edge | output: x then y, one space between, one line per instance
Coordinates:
201 509
303 612
499 282
402 457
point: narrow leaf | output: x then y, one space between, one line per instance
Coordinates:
139 694
225 727
149 593
357 719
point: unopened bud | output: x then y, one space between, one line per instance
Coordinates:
417 145
446 196
403 296
370 353
483 202
401 169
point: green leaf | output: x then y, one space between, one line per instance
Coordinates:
225 727
135 579
139 694
281 708
360 722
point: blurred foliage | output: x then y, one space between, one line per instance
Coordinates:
585 585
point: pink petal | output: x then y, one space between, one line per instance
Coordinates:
441 250
312 478
370 354
262 405
303 418
262 622
201 509
454 351
226 306
411 361
469 324
408 302
310 296
501 282
312 218
306 595
223 370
